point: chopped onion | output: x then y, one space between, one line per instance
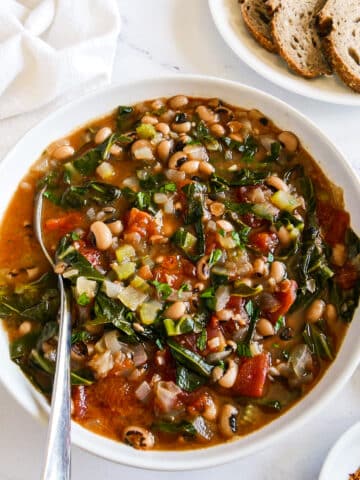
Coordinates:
143 391
175 175
70 273
301 360
222 296
105 170
196 152
140 356
91 214
131 182
202 428
84 285
113 344
218 356
169 206
266 141
214 343
160 198
166 394
112 289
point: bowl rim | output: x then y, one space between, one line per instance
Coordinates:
223 453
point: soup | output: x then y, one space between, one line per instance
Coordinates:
211 264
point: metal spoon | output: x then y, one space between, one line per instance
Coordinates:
57 461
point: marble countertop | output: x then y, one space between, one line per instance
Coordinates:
162 37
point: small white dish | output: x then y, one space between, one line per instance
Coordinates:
344 456
228 20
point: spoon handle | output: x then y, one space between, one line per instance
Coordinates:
57 462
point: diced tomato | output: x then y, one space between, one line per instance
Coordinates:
91 254
214 331
211 242
264 241
346 277
333 222
63 224
251 377
142 223
235 303
198 402
145 272
286 296
174 270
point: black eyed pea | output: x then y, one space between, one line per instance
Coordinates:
25 327
190 167
102 134
184 127
284 236
163 150
264 327
176 310
149 119
330 313
228 420
202 268
116 227
138 437
206 115
229 377
206 168
177 160
276 182
277 271
289 140
217 130
163 128
65 151
210 411
177 102
102 234
315 311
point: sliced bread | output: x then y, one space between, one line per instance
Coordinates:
339 23
294 31
257 19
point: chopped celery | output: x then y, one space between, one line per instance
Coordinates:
125 270
146 131
125 253
140 284
285 201
263 210
132 298
148 311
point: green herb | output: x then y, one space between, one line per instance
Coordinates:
218 184
244 346
163 289
187 380
87 163
80 336
189 359
243 290
202 340
215 256
243 350
245 177
248 148
275 148
22 346
209 296
184 325
184 428
241 237
110 310
90 193
83 299
280 323
317 342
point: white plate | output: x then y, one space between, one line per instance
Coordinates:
228 20
81 111
344 457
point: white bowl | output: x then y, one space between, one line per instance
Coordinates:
333 163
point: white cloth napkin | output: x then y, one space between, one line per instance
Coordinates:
50 47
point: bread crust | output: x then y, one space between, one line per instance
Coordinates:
264 41
325 22
283 50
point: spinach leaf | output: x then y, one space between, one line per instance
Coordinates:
113 311
243 347
218 184
187 380
248 147
317 341
67 253
126 118
87 163
49 330
89 193
189 359
275 148
184 427
345 301
49 367
22 346
163 289
202 340
245 177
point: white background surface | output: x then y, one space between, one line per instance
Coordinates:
169 36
